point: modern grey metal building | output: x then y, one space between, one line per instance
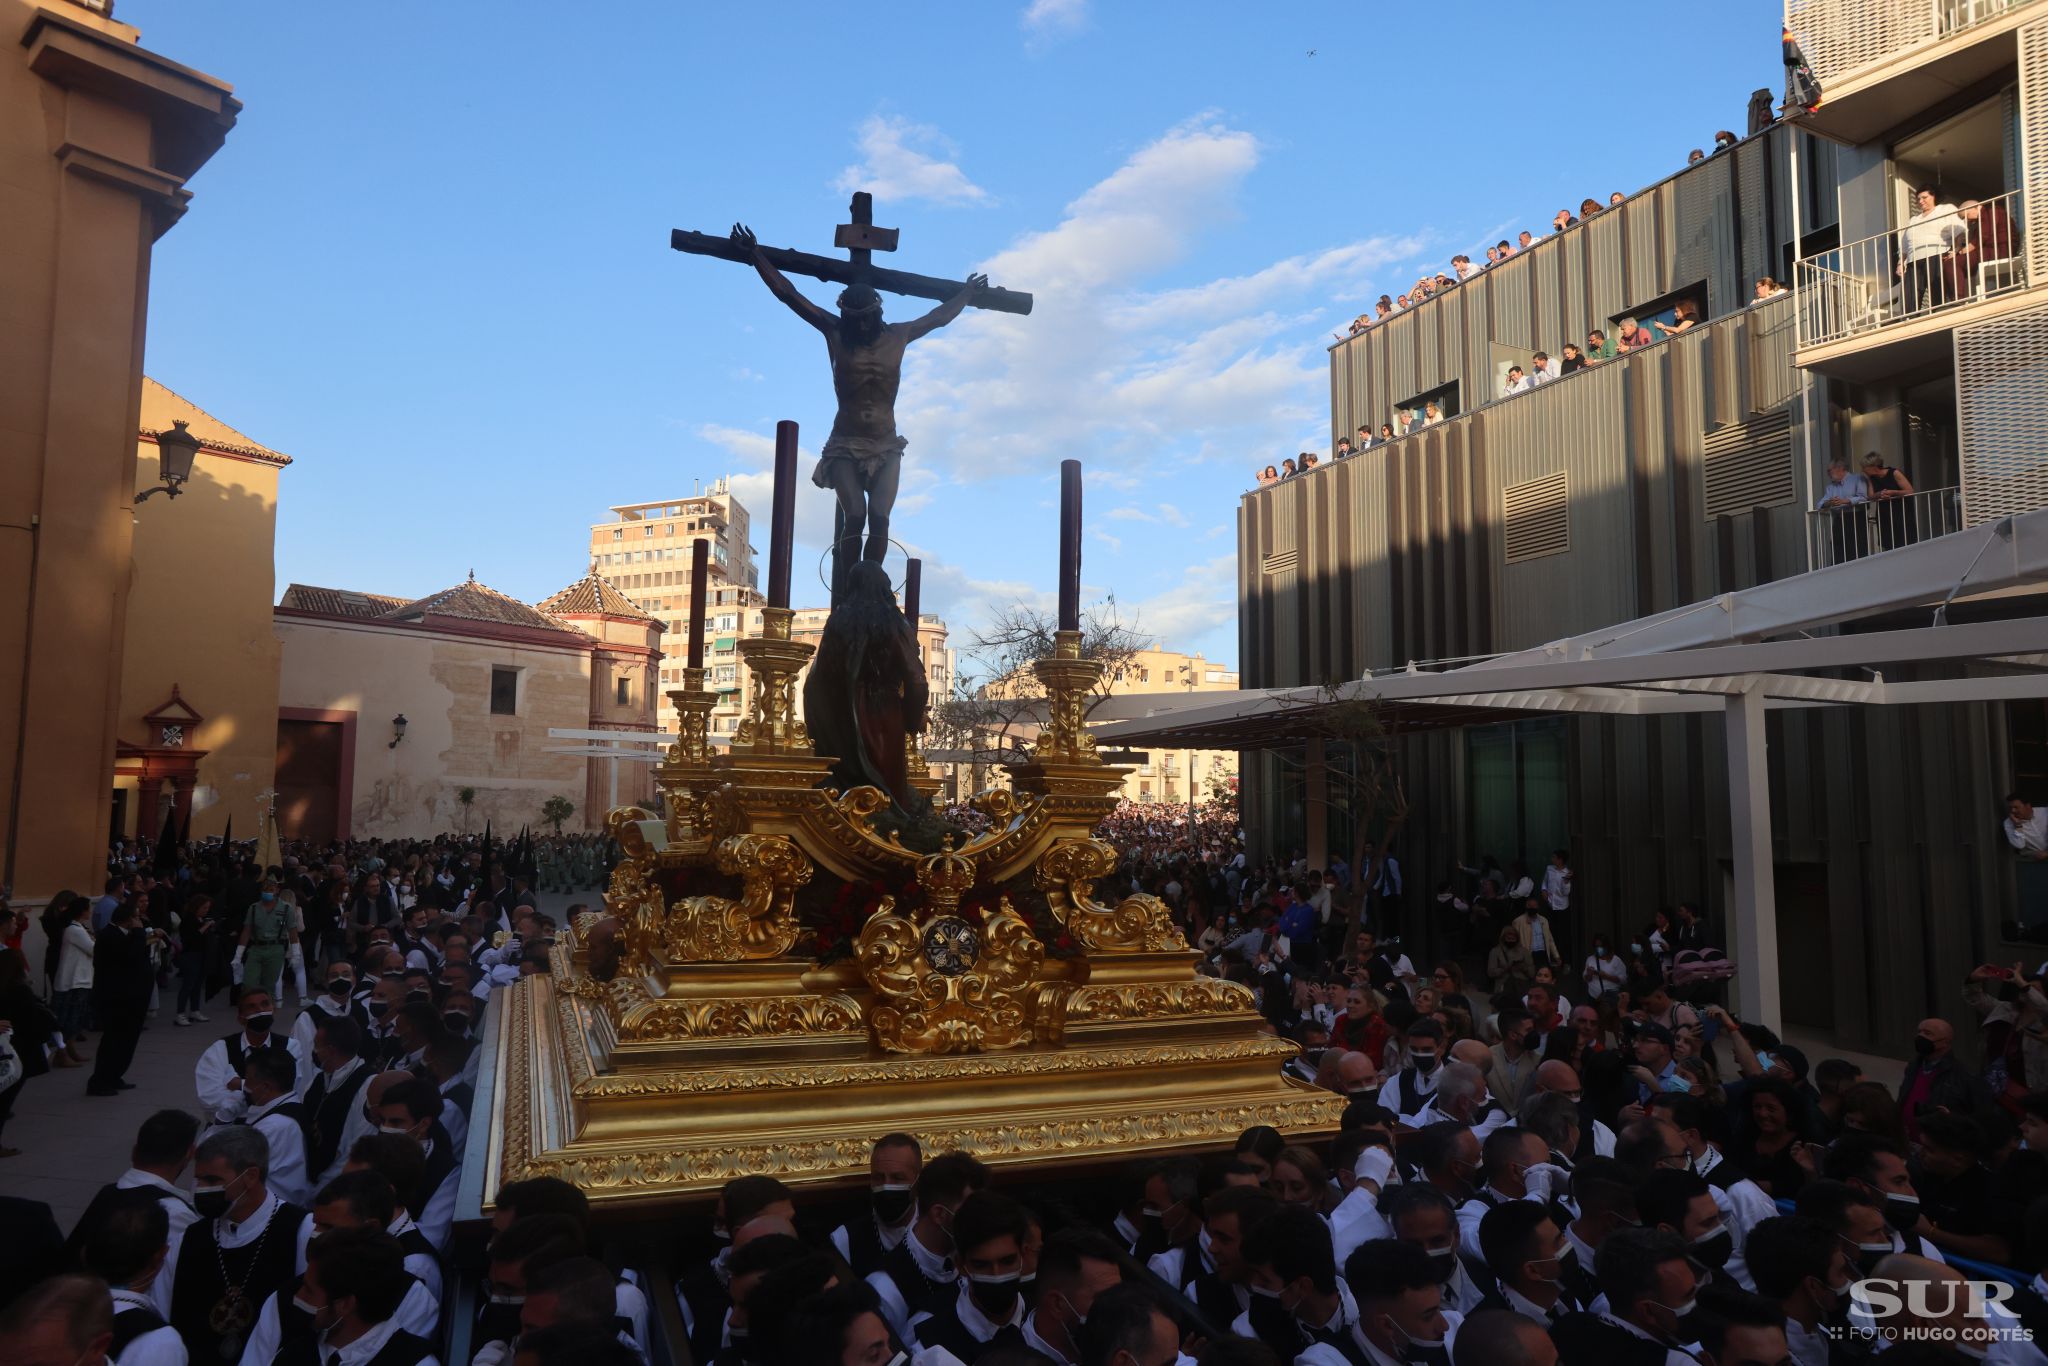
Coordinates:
1688 469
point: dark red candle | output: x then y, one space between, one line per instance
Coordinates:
913 579
782 521
700 572
1070 545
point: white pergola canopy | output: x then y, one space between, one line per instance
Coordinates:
1782 644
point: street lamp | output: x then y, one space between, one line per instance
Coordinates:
397 730
176 450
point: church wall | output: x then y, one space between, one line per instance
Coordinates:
441 682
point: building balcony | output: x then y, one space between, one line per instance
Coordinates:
1868 310
1883 63
1837 535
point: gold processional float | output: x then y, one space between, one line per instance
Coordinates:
792 983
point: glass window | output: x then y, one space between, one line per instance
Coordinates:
504 692
618 533
622 690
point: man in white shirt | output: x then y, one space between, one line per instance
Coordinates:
353 1287
1605 972
267 1086
1542 369
1517 383
1807 1271
162 1151
125 1246
218 1075
1557 882
2025 828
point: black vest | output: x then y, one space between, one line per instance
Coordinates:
864 1250
130 1324
238 1050
461 1095
259 1266
74 1246
440 1162
324 1009
1724 1175
1407 1083
415 1243
1589 1340
918 1290
1213 1296
400 1349
944 1329
324 1115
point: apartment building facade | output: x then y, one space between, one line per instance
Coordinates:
1683 470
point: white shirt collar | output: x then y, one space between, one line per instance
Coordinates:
1580 1246
135 1177
1634 1331
1525 1306
934 1266
364 1347
134 1299
342 1073
1126 1230
1039 1344
980 1325
264 1109
1707 1161
230 1234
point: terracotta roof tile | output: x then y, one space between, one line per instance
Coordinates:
591 595
339 602
473 601
161 406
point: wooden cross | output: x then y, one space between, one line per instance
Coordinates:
860 239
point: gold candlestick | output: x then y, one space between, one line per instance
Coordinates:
773 728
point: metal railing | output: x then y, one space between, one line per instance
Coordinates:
1945 261
1842 37
1836 535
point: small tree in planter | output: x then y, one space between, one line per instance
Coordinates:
555 810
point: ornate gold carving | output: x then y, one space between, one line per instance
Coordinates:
1137 924
949 1007
1157 1001
762 923
1067 679
772 726
641 1017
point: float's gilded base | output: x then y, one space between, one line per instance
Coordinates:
648 1134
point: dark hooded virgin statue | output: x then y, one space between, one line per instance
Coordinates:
866 692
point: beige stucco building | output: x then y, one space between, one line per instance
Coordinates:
480 678
97 138
199 631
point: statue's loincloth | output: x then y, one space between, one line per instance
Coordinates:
868 454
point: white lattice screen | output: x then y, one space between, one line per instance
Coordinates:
2001 416
2033 97
1841 36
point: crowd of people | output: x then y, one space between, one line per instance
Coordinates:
1554 1147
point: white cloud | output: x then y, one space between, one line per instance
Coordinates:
1045 20
1115 543
1204 600
902 160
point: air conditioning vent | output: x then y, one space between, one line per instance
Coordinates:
1536 519
1749 465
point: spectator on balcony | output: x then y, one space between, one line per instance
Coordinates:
1563 219
1632 337
1268 477
1364 438
1517 383
1402 302
1723 140
2026 829
1573 361
1492 257
1889 488
1308 461
1432 413
1588 207
1287 470
1599 347
1923 242
1769 288
1386 432
1343 448
1987 237
1845 491
1615 198
1384 309
1463 265
1542 369
1507 249
1685 315
1524 242
1695 156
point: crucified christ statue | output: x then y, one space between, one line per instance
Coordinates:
863 457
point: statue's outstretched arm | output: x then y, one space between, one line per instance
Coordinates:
779 285
947 311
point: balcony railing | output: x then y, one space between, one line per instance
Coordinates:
1839 534
1842 37
1924 268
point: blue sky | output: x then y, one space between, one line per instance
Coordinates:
431 262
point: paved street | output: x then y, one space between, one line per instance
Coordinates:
72 1144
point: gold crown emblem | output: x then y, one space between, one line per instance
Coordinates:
946 876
